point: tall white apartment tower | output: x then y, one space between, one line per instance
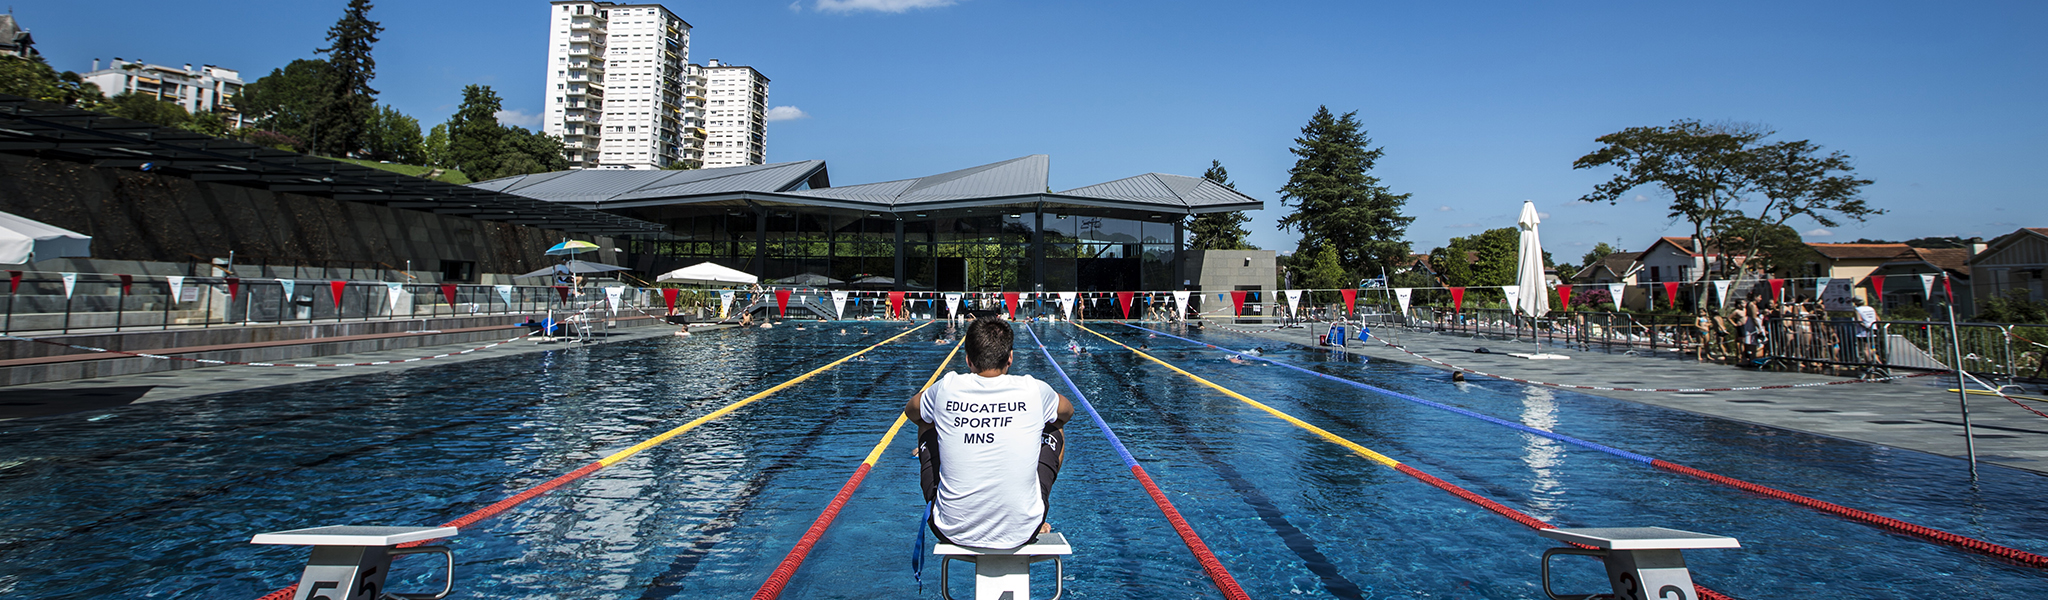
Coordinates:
735 115
615 84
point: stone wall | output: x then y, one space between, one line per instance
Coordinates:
141 216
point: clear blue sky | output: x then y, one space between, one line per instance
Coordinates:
1479 105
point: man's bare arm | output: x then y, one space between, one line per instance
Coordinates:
910 411
1066 411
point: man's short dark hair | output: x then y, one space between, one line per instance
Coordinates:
988 343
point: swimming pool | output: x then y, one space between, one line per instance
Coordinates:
159 500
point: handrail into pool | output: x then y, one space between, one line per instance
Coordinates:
1211 566
780 577
1887 523
1517 516
534 492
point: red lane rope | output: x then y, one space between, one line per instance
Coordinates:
780 578
1211 566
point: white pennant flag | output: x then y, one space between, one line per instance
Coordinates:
953 304
288 286
1180 304
724 304
1721 290
505 291
612 295
177 287
396 292
839 303
70 281
1514 294
1927 285
1820 284
1614 293
1293 301
1402 295
1067 304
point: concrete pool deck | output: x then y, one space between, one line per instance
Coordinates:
1915 414
56 398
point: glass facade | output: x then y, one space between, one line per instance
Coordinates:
1000 251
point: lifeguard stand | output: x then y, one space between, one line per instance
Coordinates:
1642 562
1006 574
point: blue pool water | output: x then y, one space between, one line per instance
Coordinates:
159 500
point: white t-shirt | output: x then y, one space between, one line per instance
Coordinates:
1868 318
989 430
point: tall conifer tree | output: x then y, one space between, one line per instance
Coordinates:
1337 202
1219 231
349 104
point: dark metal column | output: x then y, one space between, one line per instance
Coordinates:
1038 250
1180 255
761 243
901 273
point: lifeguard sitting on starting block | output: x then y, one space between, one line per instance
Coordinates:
990 445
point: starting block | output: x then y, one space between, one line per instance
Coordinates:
1006 574
1642 562
352 561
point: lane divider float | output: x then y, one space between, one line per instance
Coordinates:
1882 522
1517 516
783 572
1210 565
534 492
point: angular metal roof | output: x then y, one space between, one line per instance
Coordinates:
1014 177
603 185
1178 191
54 131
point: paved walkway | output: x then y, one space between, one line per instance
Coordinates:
107 392
1916 414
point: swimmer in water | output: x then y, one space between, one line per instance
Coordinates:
1457 376
1239 360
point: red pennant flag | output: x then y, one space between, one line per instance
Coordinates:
1671 292
1237 299
1564 297
782 302
895 303
1457 299
563 291
1010 302
13 281
126 280
1777 289
336 287
1123 299
1877 288
1350 300
448 291
234 287
668 296
1946 289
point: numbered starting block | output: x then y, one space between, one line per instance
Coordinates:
351 562
1006 574
1642 562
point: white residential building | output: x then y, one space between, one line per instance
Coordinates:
615 84
205 89
735 115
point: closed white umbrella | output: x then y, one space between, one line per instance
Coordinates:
1534 296
21 238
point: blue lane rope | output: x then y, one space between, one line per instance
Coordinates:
1115 443
1476 415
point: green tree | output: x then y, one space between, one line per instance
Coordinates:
1772 247
1319 270
394 137
210 123
1484 260
34 79
147 109
288 100
348 105
542 150
474 135
436 146
1713 171
1337 202
1223 230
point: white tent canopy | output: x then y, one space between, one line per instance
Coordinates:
708 273
20 238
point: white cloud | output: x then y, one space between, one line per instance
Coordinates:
887 6
519 118
1641 198
1444 209
1462 226
1818 232
786 113
1543 215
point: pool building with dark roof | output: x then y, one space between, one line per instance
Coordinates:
986 228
